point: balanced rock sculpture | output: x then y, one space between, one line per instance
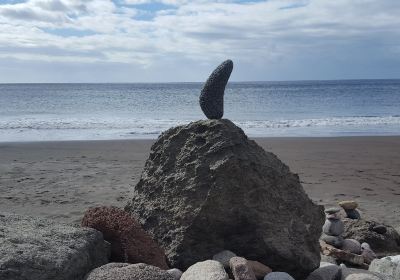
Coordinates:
350 207
206 188
333 228
212 94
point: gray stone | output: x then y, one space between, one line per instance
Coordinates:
207 270
176 273
212 94
333 227
127 271
361 274
352 214
38 249
332 210
388 265
352 246
335 241
240 269
325 272
278 276
381 229
367 253
224 257
207 187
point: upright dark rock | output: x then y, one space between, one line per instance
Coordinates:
212 94
206 188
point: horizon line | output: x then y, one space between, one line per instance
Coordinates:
255 81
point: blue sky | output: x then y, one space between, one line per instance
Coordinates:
181 40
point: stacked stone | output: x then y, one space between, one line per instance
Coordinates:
333 228
350 207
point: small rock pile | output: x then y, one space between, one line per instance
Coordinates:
333 228
348 250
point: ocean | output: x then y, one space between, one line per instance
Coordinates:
41 112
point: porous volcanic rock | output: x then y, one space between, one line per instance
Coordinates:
206 187
129 242
38 249
212 95
127 271
363 231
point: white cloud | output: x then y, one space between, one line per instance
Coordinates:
264 34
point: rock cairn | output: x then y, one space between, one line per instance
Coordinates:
206 187
212 94
333 228
350 207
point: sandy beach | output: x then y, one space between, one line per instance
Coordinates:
59 180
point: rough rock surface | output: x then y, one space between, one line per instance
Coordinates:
207 270
206 187
38 249
129 242
361 274
127 271
240 269
362 231
212 94
389 266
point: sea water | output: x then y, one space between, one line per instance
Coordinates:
37 112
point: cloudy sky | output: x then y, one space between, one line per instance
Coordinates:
181 40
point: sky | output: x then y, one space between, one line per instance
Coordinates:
183 41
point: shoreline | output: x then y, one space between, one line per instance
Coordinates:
60 179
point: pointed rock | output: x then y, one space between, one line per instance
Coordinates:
212 94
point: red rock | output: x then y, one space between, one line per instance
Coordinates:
240 269
259 269
129 242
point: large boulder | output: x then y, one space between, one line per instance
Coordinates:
38 249
383 244
129 242
206 187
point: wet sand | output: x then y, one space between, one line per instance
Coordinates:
59 180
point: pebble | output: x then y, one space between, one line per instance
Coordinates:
176 273
381 229
278 276
333 227
352 246
367 253
348 204
352 214
224 257
332 210
335 241
240 269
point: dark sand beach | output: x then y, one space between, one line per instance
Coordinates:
59 180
